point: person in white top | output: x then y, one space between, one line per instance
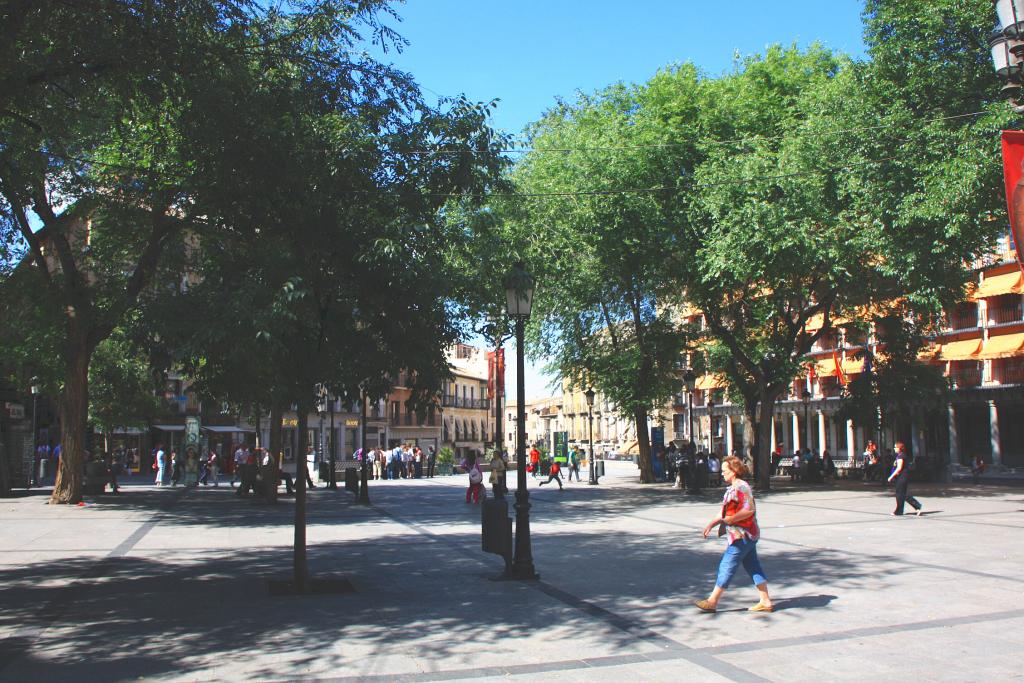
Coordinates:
239 458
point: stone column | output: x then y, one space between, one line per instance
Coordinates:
916 443
796 432
993 421
954 445
851 441
821 432
728 434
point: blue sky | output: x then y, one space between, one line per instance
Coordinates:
528 53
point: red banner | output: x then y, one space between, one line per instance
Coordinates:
490 374
495 373
1013 157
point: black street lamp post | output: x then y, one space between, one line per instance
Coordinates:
689 383
590 420
34 474
333 441
364 491
519 299
711 422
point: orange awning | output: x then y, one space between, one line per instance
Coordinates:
825 368
1010 283
960 350
706 382
1003 346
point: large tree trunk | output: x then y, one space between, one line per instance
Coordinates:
643 442
74 410
763 445
270 472
753 435
300 571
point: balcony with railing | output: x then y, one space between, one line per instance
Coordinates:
450 401
965 374
1008 371
1004 310
963 317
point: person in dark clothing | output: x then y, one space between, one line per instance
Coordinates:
901 474
431 461
176 468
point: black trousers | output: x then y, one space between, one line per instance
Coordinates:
430 467
902 496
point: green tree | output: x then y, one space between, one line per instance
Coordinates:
121 388
107 110
599 311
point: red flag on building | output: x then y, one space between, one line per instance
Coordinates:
840 375
1013 157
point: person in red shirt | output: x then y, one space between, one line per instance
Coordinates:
553 475
535 460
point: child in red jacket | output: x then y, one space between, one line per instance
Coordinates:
554 474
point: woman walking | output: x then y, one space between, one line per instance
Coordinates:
901 473
738 522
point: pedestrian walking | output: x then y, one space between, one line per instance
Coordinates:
431 461
497 479
159 464
417 462
476 479
211 469
377 458
738 523
175 468
310 456
574 464
554 475
239 464
535 461
901 474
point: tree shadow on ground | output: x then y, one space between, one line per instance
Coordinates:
427 600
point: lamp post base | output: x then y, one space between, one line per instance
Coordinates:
521 573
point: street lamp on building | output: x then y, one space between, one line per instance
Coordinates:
36 390
806 398
1007 46
590 420
519 301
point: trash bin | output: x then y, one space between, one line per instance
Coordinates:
599 468
352 479
325 471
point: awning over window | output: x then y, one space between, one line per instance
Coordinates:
706 382
827 367
170 428
1010 283
960 350
228 429
1003 346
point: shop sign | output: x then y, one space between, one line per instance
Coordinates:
351 423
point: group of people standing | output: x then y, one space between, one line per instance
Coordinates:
404 461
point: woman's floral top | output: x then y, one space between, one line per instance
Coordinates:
739 497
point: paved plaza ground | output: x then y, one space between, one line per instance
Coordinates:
162 584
